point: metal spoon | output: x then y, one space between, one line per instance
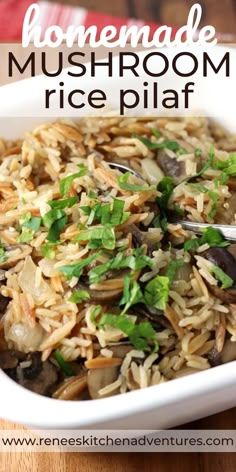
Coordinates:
229 232
123 169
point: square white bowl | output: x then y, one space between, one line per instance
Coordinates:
158 407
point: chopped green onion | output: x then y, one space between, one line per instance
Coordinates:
65 367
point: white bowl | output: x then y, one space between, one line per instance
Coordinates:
157 407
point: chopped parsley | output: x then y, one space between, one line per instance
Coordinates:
108 215
48 251
214 197
131 295
103 236
178 209
166 144
75 270
3 257
79 296
160 222
61 204
55 220
212 236
166 187
136 261
33 223
198 152
26 236
156 292
226 281
139 335
125 185
65 183
172 269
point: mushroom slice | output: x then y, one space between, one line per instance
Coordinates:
3 304
227 216
9 359
157 317
42 380
224 259
100 378
71 388
171 166
120 349
214 357
100 296
227 354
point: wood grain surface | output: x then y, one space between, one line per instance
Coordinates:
222 14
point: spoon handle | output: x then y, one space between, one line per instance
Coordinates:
229 232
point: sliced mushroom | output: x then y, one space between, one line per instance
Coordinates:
100 296
232 184
120 349
9 359
183 272
214 357
3 304
100 378
232 249
43 381
34 368
71 388
157 317
227 216
224 259
227 354
171 166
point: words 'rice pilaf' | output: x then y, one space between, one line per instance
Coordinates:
100 293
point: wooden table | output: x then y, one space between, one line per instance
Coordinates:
222 15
